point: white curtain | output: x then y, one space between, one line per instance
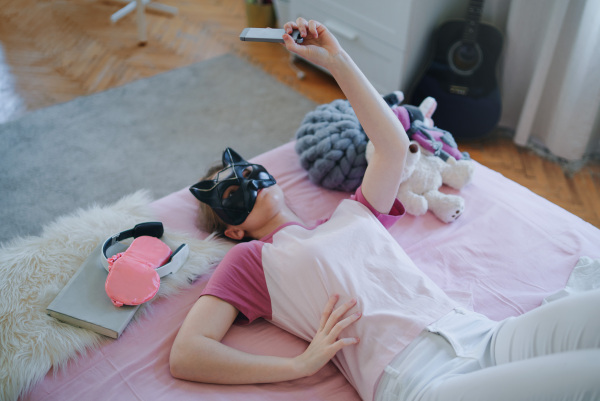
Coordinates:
551 76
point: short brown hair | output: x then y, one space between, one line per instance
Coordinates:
208 220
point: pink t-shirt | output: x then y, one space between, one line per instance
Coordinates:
288 276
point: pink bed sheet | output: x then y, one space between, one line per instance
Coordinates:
509 250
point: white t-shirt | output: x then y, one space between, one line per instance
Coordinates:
288 276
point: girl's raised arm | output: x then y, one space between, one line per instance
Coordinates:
382 178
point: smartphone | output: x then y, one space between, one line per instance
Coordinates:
267 35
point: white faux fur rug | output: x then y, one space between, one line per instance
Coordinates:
34 269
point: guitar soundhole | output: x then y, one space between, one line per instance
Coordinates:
464 58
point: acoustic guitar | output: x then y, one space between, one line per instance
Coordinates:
462 76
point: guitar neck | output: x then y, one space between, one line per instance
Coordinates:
472 23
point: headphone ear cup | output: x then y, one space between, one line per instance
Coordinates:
151 229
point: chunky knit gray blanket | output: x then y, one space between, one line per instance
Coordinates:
331 144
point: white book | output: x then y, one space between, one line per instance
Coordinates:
83 301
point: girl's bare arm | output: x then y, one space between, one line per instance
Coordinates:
382 178
198 354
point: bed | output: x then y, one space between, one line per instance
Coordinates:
509 250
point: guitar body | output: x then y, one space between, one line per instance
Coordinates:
462 79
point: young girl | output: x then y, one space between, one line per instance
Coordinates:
348 288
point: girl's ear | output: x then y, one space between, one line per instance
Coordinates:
235 233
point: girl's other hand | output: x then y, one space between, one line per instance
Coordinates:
326 344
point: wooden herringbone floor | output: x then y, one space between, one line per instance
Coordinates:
52 51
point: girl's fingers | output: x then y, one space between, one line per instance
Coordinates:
301 25
337 314
312 27
328 310
289 27
344 323
343 342
305 27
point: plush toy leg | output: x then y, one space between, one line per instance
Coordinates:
458 173
413 203
445 207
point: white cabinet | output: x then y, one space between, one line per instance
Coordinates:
388 39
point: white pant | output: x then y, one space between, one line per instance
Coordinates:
549 353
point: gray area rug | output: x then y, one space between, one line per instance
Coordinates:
159 133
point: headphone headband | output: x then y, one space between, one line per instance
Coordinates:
151 229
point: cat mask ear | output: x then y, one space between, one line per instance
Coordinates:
230 157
